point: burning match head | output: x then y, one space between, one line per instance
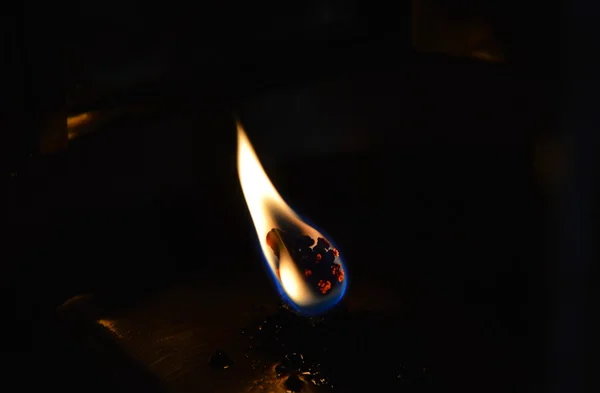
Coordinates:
306 266
317 261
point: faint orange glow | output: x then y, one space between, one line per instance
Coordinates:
110 325
74 122
550 161
75 300
486 56
440 29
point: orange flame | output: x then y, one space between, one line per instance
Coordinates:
268 211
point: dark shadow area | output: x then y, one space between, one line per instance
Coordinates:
436 169
92 360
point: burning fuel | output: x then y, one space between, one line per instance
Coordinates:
319 262
306 267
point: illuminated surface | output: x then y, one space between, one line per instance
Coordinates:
269 211
173 339
74 122
110 325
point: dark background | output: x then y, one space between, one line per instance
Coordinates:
423 138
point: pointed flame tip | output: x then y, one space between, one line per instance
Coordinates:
269 213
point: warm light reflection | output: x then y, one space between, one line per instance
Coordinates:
77 120
486 56
269 211
74 122
75 300
110 325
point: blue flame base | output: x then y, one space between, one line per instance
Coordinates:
327 303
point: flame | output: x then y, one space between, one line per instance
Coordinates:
269 211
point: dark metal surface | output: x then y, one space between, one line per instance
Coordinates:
440 257
173 335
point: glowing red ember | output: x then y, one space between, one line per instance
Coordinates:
317 261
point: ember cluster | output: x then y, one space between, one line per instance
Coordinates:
316 261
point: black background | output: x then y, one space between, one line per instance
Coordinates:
420 166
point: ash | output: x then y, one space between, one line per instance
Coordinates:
321 353
296 345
